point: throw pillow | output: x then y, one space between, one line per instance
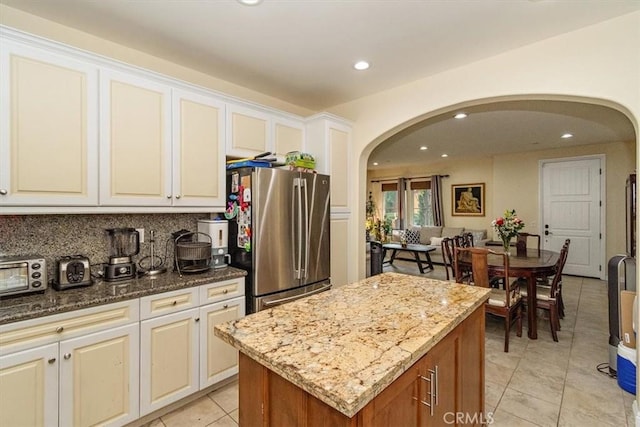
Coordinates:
478 235
412 237
436 241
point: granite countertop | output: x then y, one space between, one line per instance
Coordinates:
346 345
16 308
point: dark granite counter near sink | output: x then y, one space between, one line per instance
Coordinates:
14 309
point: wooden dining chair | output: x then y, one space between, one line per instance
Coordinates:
549 295
447 245
464 240
505 303
524 238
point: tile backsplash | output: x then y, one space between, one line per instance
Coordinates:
54 236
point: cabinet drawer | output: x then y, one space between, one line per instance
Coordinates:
220 291
30 333
168 302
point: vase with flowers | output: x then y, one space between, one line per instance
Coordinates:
507 227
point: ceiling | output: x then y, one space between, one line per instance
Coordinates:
302 52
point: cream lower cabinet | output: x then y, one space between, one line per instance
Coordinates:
168 359
179 354
99 378
218 359
29 387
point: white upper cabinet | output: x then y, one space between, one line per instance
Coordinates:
288 135
48 122
135 145
248 131
198 150
329 138
252 131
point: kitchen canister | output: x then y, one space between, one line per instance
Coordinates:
627 368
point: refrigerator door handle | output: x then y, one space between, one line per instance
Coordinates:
305 215
297 234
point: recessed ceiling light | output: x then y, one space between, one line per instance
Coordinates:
566 135
423 148
375 163
444 155
250 2
460 116
361 65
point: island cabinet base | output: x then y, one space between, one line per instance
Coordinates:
444 388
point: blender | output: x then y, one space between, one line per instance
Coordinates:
123 244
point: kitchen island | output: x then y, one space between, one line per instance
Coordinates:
391 349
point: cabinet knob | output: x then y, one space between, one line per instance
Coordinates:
225 306
3 191
59 329
178 196
197 319
168 196
225 291
174 303
67 356
52 361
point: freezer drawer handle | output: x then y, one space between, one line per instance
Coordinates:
283 300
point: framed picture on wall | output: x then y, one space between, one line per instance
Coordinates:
467 199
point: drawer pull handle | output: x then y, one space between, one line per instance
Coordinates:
59 329
52 361
174 303
67 356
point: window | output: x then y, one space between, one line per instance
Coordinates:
419 203
390 202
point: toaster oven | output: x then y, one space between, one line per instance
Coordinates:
22 274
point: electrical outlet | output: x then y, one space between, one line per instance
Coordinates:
141 232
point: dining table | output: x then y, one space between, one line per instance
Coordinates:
530 265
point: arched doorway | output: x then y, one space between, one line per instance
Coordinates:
500 143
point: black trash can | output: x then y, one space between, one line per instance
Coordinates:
376 257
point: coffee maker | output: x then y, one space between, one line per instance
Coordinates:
218 230
124 243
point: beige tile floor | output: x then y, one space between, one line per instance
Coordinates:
538 383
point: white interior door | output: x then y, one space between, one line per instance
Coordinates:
571 195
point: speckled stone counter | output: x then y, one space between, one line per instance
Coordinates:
347 345
13 309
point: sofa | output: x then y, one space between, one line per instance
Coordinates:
433 235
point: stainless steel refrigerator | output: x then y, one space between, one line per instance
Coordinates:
279 232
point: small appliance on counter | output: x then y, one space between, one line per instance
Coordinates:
22 274
152 264
218 231
124 243
191 255
73 271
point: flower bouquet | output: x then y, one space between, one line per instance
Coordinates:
507 227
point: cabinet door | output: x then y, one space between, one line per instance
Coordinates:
198 150
135 151
248 131
218 359
29 387
49 134
168 359
99 378
439 383
398 404
288 135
